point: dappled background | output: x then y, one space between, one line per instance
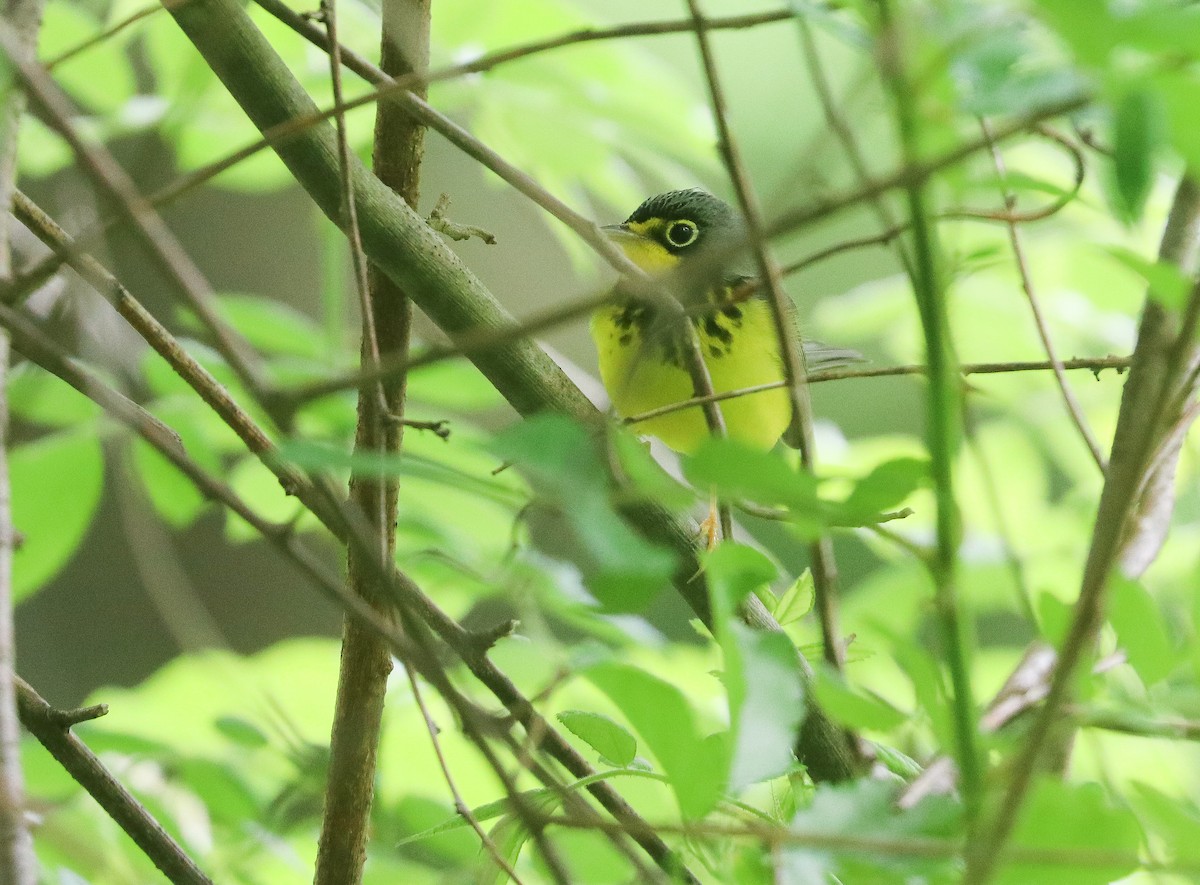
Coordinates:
125 568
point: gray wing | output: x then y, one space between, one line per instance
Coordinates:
818 356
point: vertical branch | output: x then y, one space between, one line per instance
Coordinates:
387 317
944 413
824 568
18 865
1161 383
820 738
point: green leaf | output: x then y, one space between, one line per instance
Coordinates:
222 789
36 395
734 571
1171 822
900 764
46 473
602 734
645 476
762 672
864 810
510 834
241 731
735 470
1137 134
1060 816
766 701
1054 616
174 497
1141 631
1168 284
275 328
574 517
660 714
796 601
886 487
1179 90
852 708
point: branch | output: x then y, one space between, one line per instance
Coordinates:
1161 381
943 410
386 320
52 728
1094 365
18 864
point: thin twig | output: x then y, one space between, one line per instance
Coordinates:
460 805
1094 365
1074 410
824 567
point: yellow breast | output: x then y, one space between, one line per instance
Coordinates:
740 348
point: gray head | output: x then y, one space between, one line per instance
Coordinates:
693 221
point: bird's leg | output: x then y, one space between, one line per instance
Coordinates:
711 526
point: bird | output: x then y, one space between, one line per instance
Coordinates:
691 236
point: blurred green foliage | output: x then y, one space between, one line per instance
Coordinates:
228 751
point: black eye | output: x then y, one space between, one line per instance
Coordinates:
682 233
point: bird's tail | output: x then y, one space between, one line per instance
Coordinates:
820 356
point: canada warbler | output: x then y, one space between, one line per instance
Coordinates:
642 357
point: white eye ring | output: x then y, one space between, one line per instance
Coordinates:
682 233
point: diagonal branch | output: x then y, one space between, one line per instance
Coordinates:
1161 384
115 184
53 731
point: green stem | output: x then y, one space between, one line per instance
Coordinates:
944 420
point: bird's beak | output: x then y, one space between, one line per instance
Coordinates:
630 242
620 233
644 251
